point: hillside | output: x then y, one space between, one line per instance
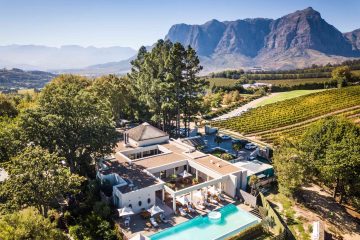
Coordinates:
17 78
293 113
298 39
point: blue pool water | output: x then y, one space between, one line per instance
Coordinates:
233 220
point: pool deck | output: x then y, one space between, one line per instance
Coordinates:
142 226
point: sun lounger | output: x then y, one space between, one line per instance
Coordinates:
191 209
153 222
200 206
213 201
206 203
182 212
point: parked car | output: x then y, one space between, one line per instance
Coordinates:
225 137
250 146
240 141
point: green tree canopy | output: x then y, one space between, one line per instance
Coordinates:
28 224
37 178
71 121
328 152
342 75
7 107
165 83
116 90
290 171
10 139
333 148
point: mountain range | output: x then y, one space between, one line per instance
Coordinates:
296 40
35 57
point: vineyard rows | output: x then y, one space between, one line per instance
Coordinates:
293 111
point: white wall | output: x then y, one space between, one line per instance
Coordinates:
148 141
170 167
230 185
134 197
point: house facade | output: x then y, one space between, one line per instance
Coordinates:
146 162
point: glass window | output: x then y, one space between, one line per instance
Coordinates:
149 201
140 203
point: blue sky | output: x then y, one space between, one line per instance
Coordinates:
141 22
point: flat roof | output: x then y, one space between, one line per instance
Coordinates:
212 162
131 174
178 154
160 160
254 166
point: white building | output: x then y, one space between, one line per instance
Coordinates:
146 162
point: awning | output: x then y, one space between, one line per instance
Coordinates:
185 174
261 176
155 210
126 211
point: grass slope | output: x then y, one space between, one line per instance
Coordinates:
286 95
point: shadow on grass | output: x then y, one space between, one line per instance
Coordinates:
328 209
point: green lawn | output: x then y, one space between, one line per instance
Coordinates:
286 95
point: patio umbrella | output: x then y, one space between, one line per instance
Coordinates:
183 200
212 190
185 174
155 210
126 211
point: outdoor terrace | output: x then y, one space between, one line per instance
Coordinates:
135 176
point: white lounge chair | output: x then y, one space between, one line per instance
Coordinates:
153 222
182 212
191 209
206 203
200 206
213 201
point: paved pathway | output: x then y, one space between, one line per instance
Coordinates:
238 111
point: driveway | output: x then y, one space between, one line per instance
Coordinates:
238 111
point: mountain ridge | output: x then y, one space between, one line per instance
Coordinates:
303 35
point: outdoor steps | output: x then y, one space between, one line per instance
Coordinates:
256 213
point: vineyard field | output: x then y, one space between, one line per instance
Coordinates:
294 82
292 111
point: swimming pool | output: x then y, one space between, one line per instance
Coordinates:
233 220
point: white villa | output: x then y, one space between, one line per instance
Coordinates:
143 166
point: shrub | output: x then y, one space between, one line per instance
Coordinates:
226 156
92 227
102 209
249 233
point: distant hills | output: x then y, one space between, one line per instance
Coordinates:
17 78
34 57
296 40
